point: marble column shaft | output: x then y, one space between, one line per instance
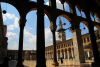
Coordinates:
57 55
72 53
68 54
64 55
78 46
88 54
53 29
60 54
20 51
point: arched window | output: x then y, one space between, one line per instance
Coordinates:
84 40
87 39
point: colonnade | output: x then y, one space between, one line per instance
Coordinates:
61 54
76 33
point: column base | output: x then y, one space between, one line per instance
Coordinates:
95 64
55 63
19 65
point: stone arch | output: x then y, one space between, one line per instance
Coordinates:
78 10
13 4
98 27
45 11
97 18
78 7
72 48
85 23
70 6
69 49
90 46
65 16
91 15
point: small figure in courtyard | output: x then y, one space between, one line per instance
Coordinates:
61 60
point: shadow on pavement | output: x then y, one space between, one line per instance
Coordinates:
13 63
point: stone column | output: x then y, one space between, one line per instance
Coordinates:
72 54
93 39
64 55
57 55
67 54
47 55
78 46
20 49
53 29
60 54
52 55
40 62
91 54
88 54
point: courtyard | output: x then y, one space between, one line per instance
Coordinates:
66 63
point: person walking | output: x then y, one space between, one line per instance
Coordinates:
61 60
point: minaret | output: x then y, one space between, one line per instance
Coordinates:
60 23
61 33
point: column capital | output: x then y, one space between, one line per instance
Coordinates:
75 30
53 27
22 22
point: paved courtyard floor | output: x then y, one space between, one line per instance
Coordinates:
66 63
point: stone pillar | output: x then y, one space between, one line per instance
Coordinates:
60 54
78 46
88 54
64 55
68 55
53 29
20 49
91 54
40 35
52 55
72 53
93 39
47 55
57 55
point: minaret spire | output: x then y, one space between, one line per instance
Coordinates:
61 34
60 23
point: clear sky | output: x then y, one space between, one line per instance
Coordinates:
11 20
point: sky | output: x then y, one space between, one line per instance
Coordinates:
12 17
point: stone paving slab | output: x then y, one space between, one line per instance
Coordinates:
67 63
